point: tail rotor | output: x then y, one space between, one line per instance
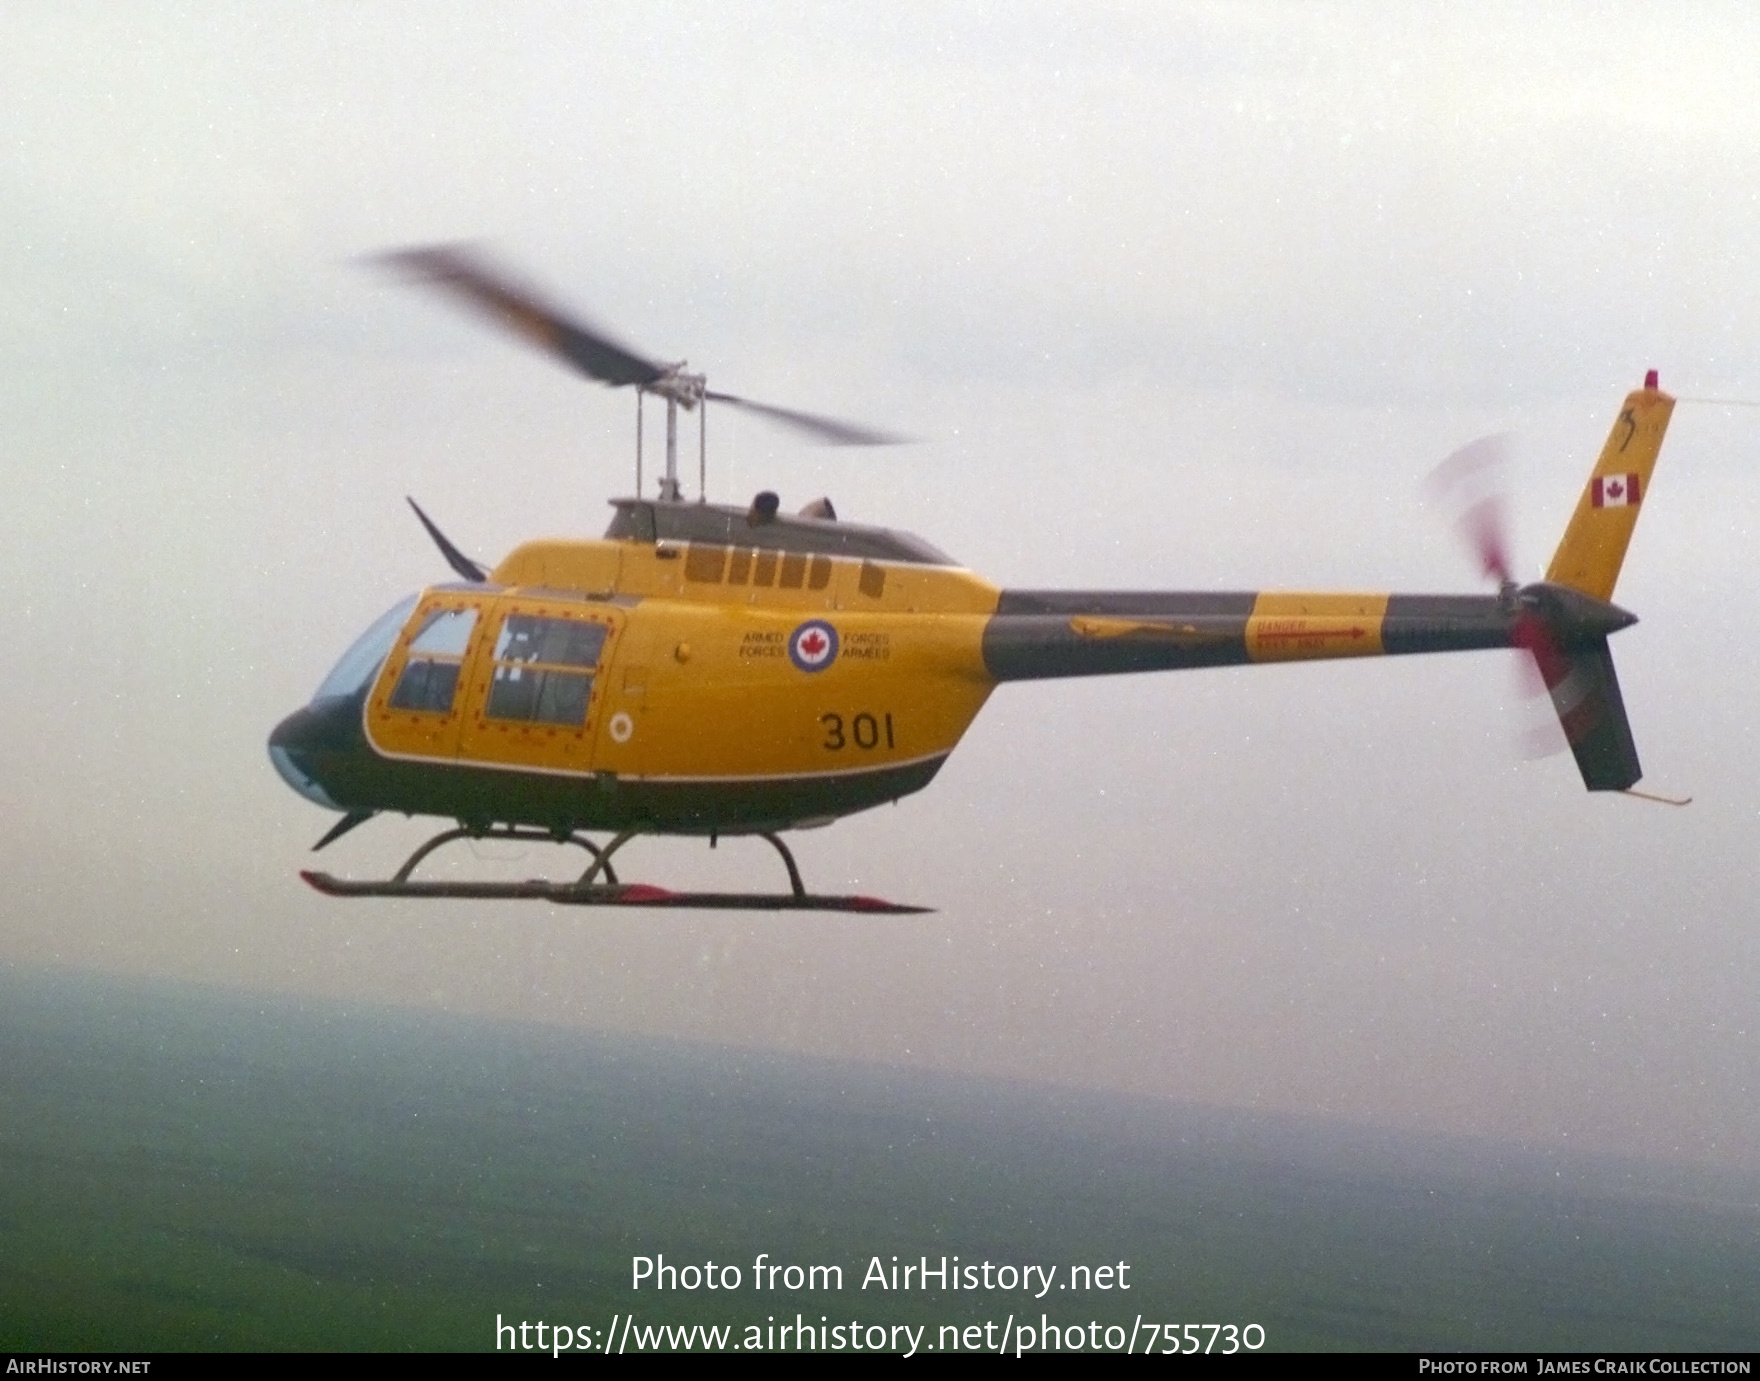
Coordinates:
1563 622
1472 485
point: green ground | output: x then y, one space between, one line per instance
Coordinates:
182 1170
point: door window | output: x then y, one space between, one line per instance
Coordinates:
436 654
544 669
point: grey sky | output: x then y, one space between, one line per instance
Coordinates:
1188 296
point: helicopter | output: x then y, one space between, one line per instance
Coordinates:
717 670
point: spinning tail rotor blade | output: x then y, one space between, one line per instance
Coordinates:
1472 482
1486 527
1539 664
469 276
826 430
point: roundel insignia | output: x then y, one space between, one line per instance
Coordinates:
813 646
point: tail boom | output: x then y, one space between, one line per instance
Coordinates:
1044 634
1563 621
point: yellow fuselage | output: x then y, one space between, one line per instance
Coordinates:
705 670
697 681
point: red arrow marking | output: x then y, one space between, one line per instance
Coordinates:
1283 633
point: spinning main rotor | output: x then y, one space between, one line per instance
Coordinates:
471 277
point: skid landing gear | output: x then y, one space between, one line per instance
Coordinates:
598 886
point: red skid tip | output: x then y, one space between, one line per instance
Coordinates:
1650 379
644 892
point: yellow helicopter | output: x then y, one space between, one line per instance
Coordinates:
709 670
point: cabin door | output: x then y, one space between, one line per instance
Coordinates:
537 688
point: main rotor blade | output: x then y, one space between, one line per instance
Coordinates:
469 276
827 430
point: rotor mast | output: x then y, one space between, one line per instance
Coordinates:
690 392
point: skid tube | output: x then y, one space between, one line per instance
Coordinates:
587 890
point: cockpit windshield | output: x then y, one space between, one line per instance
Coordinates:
362 660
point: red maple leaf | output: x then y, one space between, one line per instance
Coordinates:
813 644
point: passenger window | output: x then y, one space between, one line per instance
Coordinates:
430 677
543 669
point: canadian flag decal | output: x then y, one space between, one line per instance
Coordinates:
1614 491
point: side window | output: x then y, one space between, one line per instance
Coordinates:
430 676
544 669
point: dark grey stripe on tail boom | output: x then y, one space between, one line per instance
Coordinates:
1445 623
1032 647
1030 637
1129 603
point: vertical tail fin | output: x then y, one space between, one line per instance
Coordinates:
1594 544
1580 674
1592 713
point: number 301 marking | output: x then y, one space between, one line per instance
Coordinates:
865 731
